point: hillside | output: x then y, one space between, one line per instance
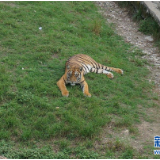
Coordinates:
36 121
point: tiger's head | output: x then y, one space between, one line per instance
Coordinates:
73 75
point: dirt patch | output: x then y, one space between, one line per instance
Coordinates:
128 29
55 56
10 4
1 157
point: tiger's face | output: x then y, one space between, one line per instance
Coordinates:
74 75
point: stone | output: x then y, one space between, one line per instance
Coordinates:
149 38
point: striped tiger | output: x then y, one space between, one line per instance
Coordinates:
79 65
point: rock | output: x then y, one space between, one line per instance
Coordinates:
149 38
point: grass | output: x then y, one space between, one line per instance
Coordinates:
33 60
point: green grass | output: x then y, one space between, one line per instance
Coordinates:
33 60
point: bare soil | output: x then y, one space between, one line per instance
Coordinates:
129 30
1 157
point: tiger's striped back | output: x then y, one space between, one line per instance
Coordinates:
88 64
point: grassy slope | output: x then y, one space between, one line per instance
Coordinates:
31 62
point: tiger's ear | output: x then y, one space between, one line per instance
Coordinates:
81 68
68 67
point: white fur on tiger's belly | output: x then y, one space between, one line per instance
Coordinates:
87 68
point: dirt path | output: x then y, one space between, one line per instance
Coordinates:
128 29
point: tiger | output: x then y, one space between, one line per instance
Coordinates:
75 69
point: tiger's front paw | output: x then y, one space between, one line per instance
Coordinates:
87 94
65 93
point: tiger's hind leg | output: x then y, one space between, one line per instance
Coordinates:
85 89
106 68
109 74
97 70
